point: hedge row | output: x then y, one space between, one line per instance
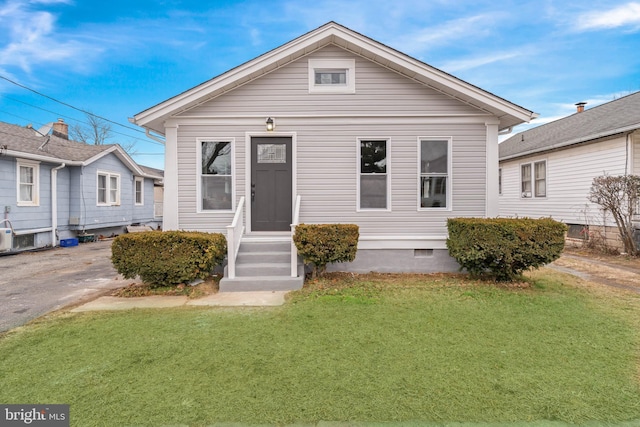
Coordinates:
322 244
504 248
168 258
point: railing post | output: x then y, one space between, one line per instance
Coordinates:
294 250
234 237
231 256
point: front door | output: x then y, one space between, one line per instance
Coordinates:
271 171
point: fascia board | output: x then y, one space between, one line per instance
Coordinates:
37 157
124 158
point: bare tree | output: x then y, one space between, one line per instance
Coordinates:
620 196
97 132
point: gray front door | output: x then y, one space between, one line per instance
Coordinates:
271 171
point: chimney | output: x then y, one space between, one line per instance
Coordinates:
61 129
580 106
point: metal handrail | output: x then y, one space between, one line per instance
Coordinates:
234 238
294 223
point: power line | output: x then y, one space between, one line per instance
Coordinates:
73 119
69 105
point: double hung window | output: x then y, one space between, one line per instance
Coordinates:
139 189
373 174
434 173
216 179
28 183
533 179
108 189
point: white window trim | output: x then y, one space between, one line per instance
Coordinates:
199 142
532 166
449 140
36 182
138 179
349 65
108 201
388 174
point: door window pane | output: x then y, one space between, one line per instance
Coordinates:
272 153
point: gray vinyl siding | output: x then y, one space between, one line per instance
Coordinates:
93 216
24 217
327 146
570 173
286 92
327 179
143 213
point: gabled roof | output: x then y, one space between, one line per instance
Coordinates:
23 142
615 117
335 34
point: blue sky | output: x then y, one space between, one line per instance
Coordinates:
118 58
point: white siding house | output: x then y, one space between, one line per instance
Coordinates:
570 153
361 134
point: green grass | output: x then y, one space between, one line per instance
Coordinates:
372 349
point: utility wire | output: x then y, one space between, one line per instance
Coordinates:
72 118
68 105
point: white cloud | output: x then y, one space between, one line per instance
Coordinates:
432 37
626 15
467 64
31 38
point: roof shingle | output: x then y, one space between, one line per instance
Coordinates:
614 117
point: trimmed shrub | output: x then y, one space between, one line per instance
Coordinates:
503 248
322 244
167 258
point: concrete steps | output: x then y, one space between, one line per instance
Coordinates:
263 266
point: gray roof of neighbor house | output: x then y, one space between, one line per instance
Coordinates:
25 142
615 117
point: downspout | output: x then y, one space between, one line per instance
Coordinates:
54 204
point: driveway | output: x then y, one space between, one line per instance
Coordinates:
36 283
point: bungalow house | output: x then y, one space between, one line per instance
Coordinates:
331 127
547 171
52 188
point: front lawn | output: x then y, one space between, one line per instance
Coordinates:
374 348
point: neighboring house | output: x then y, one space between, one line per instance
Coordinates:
353 130
52 188
548 170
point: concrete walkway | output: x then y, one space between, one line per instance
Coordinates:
223 299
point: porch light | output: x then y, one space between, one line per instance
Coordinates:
270 124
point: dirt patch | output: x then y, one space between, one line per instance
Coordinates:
611 270
207 287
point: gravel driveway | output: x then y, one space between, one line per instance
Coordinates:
36 283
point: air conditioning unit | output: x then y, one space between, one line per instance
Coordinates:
6 239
